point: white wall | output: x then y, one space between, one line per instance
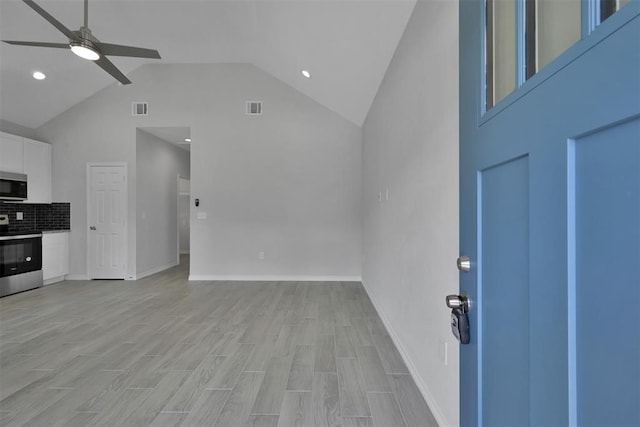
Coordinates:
410 241
96 130
287 183
158 165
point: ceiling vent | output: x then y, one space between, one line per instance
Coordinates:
254 108
139 108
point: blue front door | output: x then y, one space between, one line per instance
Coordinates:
550 217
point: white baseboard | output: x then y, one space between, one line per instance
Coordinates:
76 277
53 280
155 270
426 393
258 278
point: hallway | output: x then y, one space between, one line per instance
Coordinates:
163 351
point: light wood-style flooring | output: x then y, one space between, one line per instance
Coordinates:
163 351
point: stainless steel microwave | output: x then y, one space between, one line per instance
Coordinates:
13 186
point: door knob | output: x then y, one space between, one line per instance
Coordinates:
92 228
464 264
458 301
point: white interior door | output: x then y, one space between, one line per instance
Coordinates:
107 213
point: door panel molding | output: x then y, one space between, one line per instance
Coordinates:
603 163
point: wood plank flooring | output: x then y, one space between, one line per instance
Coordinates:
165 352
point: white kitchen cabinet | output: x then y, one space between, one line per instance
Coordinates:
37 167
11 154
55 256
32 158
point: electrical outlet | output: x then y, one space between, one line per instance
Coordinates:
260 255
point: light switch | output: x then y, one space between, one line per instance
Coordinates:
201 215
19 216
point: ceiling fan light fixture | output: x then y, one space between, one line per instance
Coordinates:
39 75
84 51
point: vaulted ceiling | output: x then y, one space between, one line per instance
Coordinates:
345 44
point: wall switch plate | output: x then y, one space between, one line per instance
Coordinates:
260 255
19 216
386 194
201 215
380 196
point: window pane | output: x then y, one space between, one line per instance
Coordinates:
503 23
609 7
558 28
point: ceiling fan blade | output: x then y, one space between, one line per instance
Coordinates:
120 50
38 44
108 66
53 21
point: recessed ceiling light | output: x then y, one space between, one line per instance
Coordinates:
187 140
39 75
306 74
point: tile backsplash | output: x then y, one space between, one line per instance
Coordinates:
56 216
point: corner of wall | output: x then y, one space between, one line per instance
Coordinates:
422 386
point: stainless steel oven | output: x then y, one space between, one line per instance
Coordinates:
13 186
20 262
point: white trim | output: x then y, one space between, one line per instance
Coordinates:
258 278
123 165
155 270
426 393
76 277
178 220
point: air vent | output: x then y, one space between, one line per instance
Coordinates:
254 108
139 108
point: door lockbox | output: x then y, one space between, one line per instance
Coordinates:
459 305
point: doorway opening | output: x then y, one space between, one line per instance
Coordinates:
184 224
162 155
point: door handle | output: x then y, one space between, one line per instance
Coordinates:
458 301
92 228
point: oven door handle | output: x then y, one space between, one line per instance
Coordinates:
22 236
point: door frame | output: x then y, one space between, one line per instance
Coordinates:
123 165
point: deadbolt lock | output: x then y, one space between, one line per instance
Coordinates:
464 264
